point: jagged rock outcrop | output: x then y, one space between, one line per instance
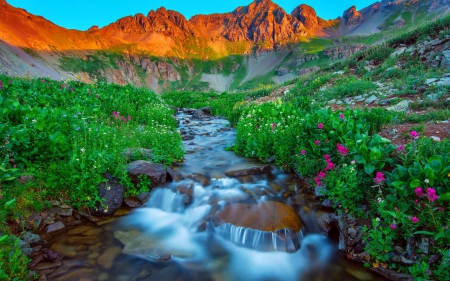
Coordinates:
343 52
301 60
308 70
352 16
93 28
306 15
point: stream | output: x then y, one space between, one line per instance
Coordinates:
227 218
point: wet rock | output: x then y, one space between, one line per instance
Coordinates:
77 274
186 189
320 191
256 170
256 216
410 246
34 221
53 256
79 230
65 267
106 259
113 193
144 196
434 258
36 260
25 247
32 238
201 113
327 204
43 277
47 265
398 250
199 178
391 274
341 221
63 212
137 244
402 260
68 251
173 175
352 232
132 202
155 172
55 227
423 245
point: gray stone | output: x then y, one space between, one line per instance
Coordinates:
255 170
431 80
424 244
371 99
31 238
112 193
202 113
25 247
393 131
444 81
435 138
156 172
340 72
398 52
402 260
352 232
55 227
433 97
327 203
401 106
320 191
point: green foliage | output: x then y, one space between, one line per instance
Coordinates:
66 135
13 264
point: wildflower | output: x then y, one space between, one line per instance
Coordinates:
393 226
1 84
327 156
379 200
34 121
342 116
426 181
42 80
401 148
414 135
342 149
414 219
322 175
88 198
97 96
419 192
432 194
82 150
353 162
317 142
303 152
379 177
64 86
72 89
317 180
330 165
377 219
273 125
89 91
129 118
320 126
10 82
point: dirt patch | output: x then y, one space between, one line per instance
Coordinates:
399 134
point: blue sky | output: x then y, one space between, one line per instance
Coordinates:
82 14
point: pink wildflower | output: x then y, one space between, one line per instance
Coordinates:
42 80
317 142
330 165
322 175
393 226
414 135
414 219
64 86
342 149
401 148
353 162
379 177
317 180
10 82
89 91
419 192
327 156
432 194
303 152
129 118
273 125
1 84
320 126
97 96
342 116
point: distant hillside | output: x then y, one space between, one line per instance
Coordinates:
255 44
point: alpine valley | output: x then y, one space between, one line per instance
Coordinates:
255 44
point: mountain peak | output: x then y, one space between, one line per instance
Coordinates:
352 16
306 15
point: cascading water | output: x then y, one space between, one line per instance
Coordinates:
210 226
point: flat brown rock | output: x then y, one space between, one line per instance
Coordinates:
265 216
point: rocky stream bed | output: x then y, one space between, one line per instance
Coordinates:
214 216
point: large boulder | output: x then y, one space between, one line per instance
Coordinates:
202 113
112 193
155 172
